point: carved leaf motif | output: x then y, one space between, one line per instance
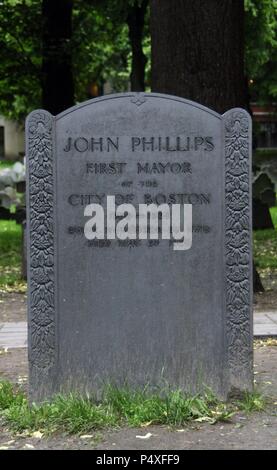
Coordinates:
40 162
138 99
237 244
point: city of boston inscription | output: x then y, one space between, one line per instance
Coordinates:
136 311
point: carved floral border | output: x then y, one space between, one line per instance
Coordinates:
41 240
238 253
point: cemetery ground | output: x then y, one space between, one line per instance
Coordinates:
125 420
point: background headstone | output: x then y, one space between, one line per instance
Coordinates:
264 197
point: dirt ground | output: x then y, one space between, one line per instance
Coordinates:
267 300
13 307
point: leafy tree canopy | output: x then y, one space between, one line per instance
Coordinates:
261 48
101 50
20 63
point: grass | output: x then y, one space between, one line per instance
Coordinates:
10 257
254 401
118 407
263 154
265 245
6 164
10 251
273 213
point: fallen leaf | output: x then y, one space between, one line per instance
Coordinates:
147 436
37 434
22 379
4 447
205 419
28 446
86 436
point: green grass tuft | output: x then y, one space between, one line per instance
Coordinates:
10 256
6 164
9 397
265 245
118 407
273 213
169 408
252 401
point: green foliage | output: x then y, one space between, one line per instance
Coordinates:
6 164
261 155
273 213
169 408
10 257
261 48
100 51
250 402
20 45
118 407
9 397
265 245
69 414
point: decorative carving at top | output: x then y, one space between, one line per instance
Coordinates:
138 99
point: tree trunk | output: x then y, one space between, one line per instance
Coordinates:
135 21
198 53
57 77
258 287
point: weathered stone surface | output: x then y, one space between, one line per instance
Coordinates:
139 312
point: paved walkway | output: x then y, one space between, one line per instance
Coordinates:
265 324
14 334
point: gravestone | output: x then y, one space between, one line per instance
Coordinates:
264 197
139 312
263 189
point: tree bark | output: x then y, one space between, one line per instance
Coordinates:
57 76
198 51
257 283
135 21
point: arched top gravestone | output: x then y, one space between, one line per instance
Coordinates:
137 311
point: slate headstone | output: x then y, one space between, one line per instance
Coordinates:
263 189
137 312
